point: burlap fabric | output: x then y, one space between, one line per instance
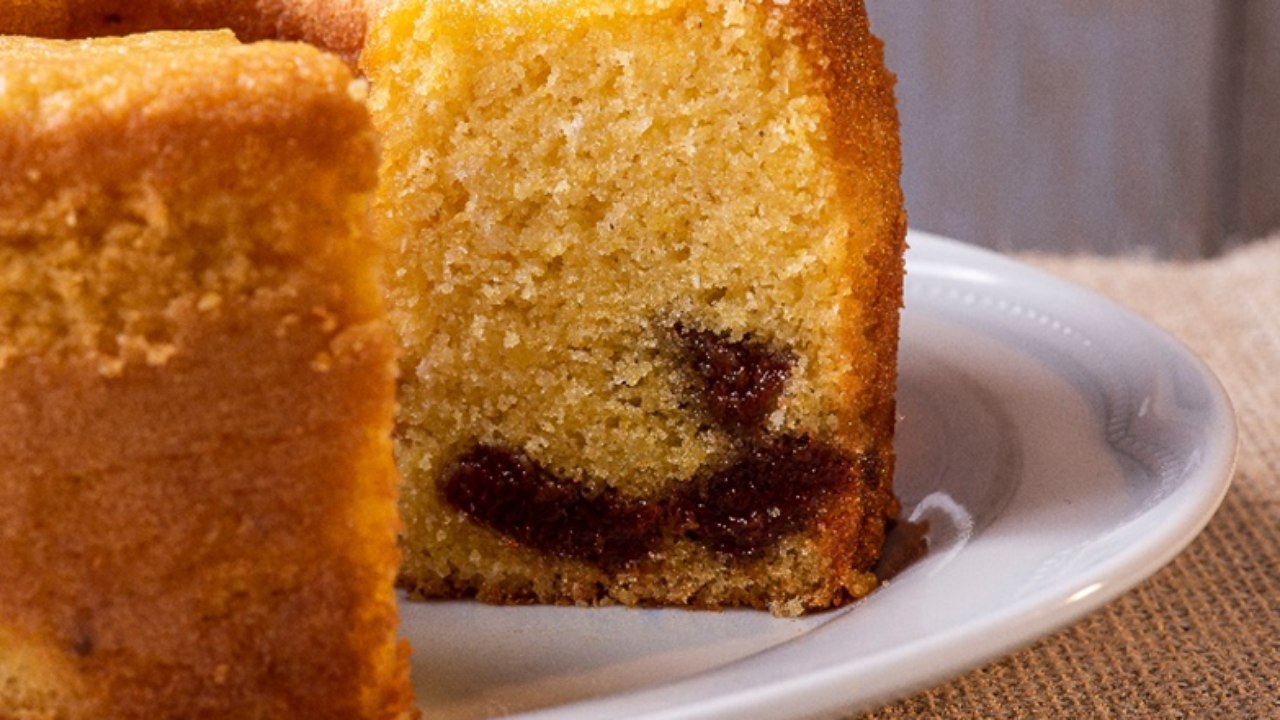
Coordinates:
1201 638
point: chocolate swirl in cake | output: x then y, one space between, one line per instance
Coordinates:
740 381
769 488
516 497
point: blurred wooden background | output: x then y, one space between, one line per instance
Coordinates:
1109 126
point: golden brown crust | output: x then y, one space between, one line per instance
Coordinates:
335 25
169 533
163 88
864 120
206 531
281 138
41 18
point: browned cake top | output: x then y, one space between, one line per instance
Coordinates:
62 94
335 25
218 149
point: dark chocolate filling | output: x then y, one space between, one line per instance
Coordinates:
770 487
769 491
515 496
740 381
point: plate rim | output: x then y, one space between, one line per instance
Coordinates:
1019 623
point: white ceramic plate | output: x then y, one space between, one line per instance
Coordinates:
1058 448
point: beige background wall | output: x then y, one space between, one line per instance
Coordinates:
1113 126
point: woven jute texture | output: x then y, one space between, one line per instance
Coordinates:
1201 638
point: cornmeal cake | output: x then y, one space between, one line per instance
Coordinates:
197 496
335 25
647 282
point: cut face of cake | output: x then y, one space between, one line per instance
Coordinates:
197 497
647 271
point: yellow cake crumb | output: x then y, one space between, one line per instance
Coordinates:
569 181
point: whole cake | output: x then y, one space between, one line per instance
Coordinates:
336 25
197 496
646 279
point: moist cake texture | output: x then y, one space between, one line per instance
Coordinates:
197 497
647 271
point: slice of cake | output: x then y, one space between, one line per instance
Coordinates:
336 25
197 496
647 275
